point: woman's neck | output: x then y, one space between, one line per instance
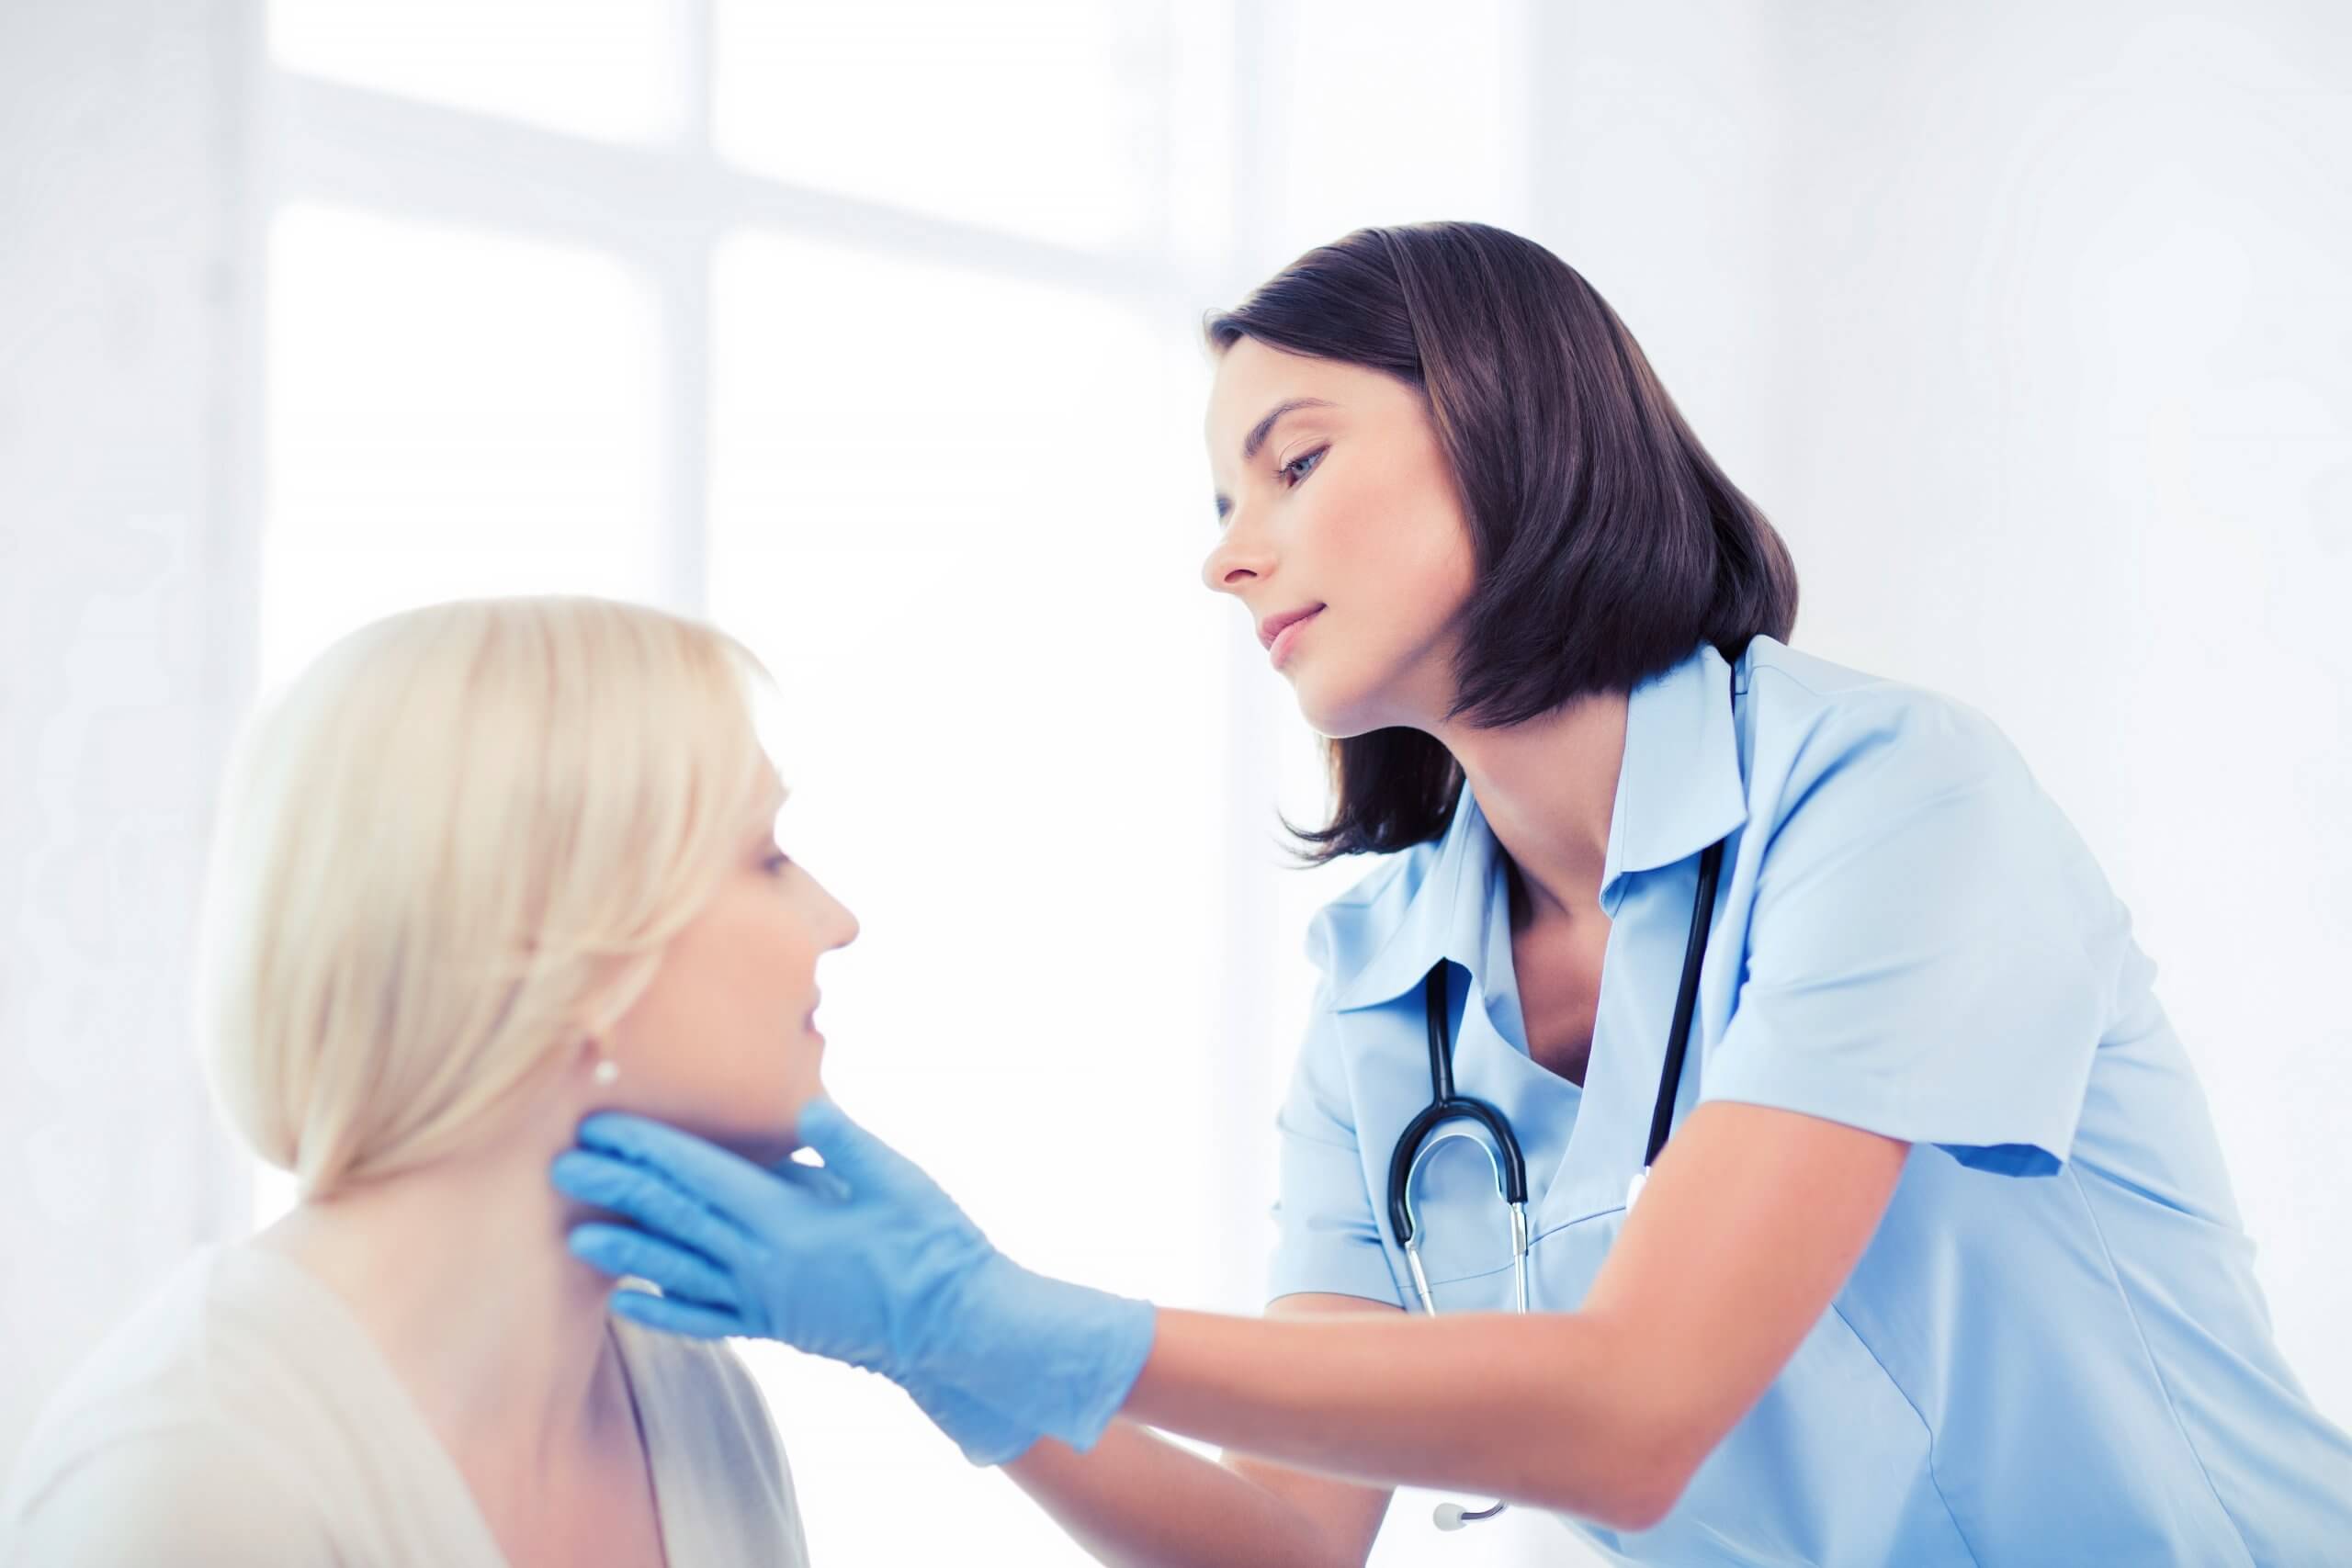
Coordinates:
1548 788
459 1272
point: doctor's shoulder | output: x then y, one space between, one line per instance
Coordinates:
1914 793
1869 738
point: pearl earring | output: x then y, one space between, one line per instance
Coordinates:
607 1073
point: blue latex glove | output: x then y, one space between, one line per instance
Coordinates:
864 1261
985 1437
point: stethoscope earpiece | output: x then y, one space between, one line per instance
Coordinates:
1454 1516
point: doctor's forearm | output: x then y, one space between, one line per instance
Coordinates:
1605 1411
1557 1410
1135 1500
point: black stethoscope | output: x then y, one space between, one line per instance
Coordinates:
1415 1145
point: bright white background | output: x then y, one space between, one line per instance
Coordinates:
871 330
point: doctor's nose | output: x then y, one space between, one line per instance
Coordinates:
1233 565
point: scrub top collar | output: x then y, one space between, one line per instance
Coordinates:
1679 789
1448 914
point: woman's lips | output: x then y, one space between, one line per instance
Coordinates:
1287 639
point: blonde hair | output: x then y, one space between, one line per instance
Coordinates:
457 842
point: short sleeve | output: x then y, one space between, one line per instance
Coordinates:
1931 951
178 1495
1327 1240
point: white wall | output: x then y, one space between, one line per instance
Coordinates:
123 637
1373 112
2028 325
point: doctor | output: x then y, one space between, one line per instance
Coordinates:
1938 1261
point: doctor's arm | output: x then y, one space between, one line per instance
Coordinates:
1137 1500
1749 1225
1751 1222
1920 961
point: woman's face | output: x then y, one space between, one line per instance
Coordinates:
724 1042
1335 498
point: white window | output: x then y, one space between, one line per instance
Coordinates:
450 411
871 330
662 301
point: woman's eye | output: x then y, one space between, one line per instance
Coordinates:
1298 467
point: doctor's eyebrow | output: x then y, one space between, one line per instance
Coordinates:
1265 428
1256 439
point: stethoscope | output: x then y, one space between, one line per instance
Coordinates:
1415 1145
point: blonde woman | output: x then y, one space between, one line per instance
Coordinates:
484 868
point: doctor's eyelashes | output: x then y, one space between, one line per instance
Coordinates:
1308 458
1306 463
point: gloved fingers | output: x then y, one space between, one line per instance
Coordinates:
618 1250
720 1179
648 1197
814 1179
857 1156
688 1318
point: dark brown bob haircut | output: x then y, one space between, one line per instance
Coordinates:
1608 544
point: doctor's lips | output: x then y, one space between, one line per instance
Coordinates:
1278 631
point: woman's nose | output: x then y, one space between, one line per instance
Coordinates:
1231 565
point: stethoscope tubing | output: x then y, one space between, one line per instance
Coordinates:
1509 1161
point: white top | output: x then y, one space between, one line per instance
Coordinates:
243 1415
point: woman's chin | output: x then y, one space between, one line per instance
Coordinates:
1337 714
774 1143
765 1149
765 1138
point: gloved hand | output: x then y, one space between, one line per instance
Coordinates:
864 1261
985 1437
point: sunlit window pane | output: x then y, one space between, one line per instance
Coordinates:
962 518
609 69
450 413
1043 117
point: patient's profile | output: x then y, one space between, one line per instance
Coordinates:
482 868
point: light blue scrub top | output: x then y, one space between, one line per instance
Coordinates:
2055 1350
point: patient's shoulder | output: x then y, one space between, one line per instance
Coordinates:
191 1492
146 1453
